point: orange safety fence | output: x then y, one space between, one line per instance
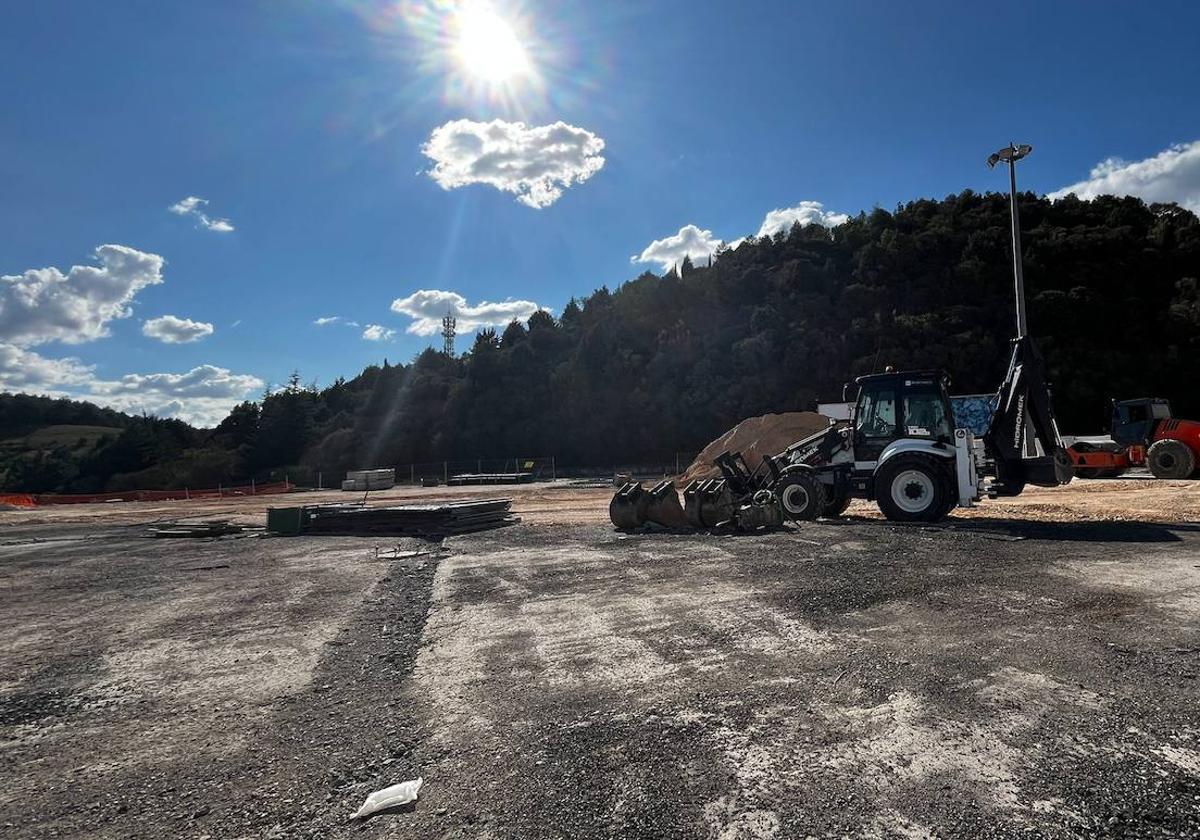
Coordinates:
151 495
16 499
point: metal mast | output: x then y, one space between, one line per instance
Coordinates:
448 324
1010 154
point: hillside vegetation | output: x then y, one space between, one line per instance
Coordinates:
665 364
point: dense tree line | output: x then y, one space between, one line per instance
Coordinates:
666 363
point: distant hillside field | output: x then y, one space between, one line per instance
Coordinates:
70 436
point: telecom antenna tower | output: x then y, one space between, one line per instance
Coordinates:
448 324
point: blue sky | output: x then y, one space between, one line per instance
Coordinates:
354 154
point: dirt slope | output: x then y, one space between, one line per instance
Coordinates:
755 438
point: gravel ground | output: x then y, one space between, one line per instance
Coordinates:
986 678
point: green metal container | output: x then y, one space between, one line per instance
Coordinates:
285 521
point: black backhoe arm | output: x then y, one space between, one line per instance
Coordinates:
1022 438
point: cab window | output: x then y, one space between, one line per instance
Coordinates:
925 416
876 415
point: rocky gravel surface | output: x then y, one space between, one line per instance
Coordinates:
975 679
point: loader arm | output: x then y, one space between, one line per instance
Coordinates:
1022 438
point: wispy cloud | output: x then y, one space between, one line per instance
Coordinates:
194 206
376 332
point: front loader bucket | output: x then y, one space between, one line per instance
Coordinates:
708 503
627 510
664 508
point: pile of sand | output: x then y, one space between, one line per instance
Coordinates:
756 438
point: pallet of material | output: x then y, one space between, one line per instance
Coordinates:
430 521
369 480
491 478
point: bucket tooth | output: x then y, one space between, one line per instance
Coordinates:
664 508
627 510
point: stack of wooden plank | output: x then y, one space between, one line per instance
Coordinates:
491 478
430 521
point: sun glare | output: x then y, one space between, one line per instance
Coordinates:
487 47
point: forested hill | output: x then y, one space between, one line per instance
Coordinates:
664 364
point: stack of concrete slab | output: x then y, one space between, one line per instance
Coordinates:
362 480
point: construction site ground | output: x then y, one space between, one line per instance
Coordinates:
1027 668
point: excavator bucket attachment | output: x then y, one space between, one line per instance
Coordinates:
627 510
708 503
664 508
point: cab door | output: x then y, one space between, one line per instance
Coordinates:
874 421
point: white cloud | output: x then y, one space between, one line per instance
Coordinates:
699 244
669 251
171 330
327 319
1171 175
375 332
535 163
44 304
193 206
427 307
202 396
804 213
25 370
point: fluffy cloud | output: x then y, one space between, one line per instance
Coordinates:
326 320
669 251
1171 175
535 163
171 330
699 244
375 332
194 206
202 396
427 307
805 213
44 304
25 370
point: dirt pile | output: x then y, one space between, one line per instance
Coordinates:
755 438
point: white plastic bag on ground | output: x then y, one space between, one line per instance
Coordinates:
390 797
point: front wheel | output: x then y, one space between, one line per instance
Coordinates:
1170 459
912 488
801 495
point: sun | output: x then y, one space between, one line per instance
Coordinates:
487 47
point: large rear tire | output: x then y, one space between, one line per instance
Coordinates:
1170 459
912 488
801 496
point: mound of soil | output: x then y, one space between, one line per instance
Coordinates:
755 438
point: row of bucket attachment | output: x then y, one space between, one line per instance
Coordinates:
708 504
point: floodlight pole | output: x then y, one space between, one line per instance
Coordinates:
1010 155
1018 274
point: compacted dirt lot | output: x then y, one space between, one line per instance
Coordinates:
1030 668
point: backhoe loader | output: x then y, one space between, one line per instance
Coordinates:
900 450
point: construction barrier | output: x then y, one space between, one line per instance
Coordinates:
17 499
156 495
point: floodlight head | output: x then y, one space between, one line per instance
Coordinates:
1009 154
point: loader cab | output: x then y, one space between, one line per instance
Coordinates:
891 406
1134 421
